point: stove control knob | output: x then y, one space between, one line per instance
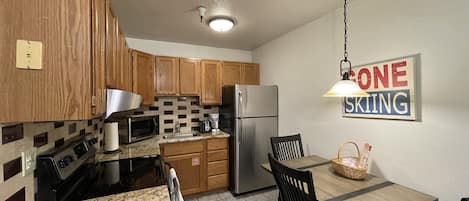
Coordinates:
62 164
68 159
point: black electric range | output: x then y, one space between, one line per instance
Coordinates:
70 173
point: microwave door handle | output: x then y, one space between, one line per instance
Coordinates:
155 124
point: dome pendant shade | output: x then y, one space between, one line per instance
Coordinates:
346 88
221 24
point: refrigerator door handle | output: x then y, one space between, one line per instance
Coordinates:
240 94
240 132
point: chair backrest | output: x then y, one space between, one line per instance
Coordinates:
174 186
287 147
294 185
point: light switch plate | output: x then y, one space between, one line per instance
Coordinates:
28 54
28 161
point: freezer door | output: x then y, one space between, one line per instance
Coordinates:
251 149
256 101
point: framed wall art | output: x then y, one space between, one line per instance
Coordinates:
392 88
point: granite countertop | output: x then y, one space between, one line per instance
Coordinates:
159 193
150 147
219 134
146 147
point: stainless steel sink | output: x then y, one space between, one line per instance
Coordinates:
180 135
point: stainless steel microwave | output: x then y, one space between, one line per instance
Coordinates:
138 127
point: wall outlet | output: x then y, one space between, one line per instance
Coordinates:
28 161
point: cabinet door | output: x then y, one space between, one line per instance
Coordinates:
167 73
189 77
99 56
231 73
111 48
61 90
143 76
191 172
211 76
250 74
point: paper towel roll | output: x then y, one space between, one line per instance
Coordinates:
111 137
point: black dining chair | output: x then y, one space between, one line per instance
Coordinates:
294 185
287 147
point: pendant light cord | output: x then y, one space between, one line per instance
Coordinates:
345 76
345 31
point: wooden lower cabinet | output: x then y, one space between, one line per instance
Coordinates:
217 182
201 165
217 167
190 171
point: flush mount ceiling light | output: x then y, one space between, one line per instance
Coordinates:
345 87
221 24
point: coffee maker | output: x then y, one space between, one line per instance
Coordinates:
214 122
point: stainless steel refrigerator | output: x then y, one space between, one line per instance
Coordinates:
250 114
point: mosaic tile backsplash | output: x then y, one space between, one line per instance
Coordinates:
17 138
185 110
42 136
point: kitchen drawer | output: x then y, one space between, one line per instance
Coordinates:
217 167
217 155
217 144
179 148
218 181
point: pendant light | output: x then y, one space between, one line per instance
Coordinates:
345 87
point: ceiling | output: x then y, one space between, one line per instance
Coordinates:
257 21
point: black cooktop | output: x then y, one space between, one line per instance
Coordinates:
112 177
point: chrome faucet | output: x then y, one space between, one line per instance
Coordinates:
177 127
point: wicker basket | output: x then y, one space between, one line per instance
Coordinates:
352 171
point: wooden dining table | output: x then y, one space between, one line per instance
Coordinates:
330 186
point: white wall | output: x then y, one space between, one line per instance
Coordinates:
188 51
431 155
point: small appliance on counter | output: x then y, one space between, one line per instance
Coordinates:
134 128
214 122
70 173
205 126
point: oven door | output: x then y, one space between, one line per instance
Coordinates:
141 128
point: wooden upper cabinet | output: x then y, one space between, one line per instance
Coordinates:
250 74
211 81
143 65
111 48
118 64
231 73
167 75
99 56
189 77
71 33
